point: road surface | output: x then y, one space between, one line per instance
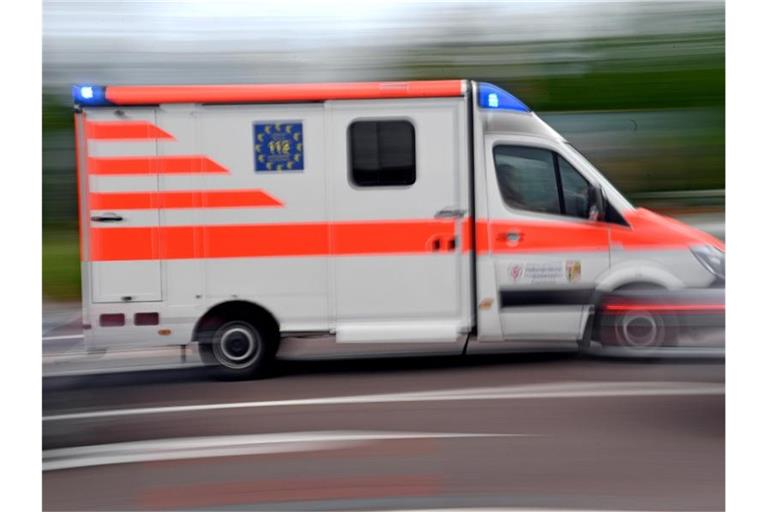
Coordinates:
554 431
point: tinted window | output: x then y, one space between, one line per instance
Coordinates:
575 190
382 153
527 178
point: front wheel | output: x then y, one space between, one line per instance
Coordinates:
236 349
637 329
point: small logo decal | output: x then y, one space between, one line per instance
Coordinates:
516 271
573 271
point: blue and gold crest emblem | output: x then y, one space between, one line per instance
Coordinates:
278 147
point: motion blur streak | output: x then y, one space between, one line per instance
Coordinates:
225 446
554 390
665 307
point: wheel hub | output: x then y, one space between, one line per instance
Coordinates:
639 329
237 344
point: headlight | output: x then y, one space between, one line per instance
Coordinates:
712 258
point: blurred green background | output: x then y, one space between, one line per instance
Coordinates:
638 87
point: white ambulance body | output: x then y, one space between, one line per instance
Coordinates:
437 216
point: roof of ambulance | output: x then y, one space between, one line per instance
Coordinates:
489 96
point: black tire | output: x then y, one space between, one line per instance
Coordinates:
237 349
637 330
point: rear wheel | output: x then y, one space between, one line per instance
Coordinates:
237 349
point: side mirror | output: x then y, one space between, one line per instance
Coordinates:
595 203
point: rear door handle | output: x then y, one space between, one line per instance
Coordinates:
107 217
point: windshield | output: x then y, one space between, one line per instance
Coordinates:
608 187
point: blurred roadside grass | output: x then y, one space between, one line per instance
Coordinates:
61 263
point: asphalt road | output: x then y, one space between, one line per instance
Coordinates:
554 431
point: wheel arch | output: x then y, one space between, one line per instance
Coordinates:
236 310
661 281
624 277
645 273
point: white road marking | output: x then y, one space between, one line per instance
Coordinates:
532 391
227 446
67 337
110 369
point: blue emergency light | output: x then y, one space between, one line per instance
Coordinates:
91 95
492 97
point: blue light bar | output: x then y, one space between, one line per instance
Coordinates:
492 97
91 95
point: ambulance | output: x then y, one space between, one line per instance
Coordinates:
365 218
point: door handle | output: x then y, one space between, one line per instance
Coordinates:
450 213
107 217
510 237
443 243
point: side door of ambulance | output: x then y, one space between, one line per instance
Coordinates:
271 248
122 238
546 254
398 195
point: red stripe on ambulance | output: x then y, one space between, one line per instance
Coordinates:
124 130
271 240
269 93
543 236
340 238
181 199
132 165
669 308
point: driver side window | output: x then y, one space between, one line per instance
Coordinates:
575 190
540 180
527 178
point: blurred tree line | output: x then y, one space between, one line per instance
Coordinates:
619 73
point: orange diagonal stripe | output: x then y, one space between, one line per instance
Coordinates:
181 199
125 130
153 165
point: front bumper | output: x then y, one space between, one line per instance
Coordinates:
690 307
694 318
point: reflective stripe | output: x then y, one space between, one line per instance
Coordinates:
266 93
322 238
269 240
540 236
124 130
664 307
181 199
652 231
577 236
379 237
153 165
